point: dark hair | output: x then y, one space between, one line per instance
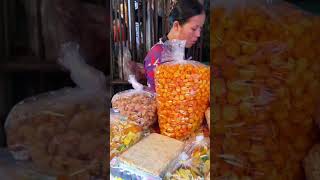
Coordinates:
185 9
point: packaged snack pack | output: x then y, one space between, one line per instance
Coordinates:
193 162
142 161
123 133
183 88
137 104
62 131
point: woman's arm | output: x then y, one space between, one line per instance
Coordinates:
152 60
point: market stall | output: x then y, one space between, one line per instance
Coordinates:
265 105
170 123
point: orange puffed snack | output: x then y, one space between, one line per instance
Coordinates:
183 89
265 89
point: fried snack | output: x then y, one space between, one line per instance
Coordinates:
182 97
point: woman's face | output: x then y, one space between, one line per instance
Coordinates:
191 30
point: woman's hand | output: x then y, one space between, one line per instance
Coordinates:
138 70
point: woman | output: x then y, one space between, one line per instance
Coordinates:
186 21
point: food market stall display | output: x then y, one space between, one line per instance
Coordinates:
266 76
177 109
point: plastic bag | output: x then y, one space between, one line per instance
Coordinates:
266 87
85 76
183 89
137 104
13 170
311 163
194 162
142 160
123 133
182 169
62 131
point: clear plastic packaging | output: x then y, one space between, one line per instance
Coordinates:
10 169
62 131
137 104
194 162
123 133
265 84
142 160
183 88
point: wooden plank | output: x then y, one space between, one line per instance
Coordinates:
6 29
120 64
133 29
164 9
12 21
144 10
151 22
1 31
111 40
139 32
31 13
120 82
40 48
26 64
126 17
130 23
156 20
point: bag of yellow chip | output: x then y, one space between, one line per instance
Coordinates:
123 133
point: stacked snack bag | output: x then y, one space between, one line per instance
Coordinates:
183 88
193 162
142 161
133 112
137 104
62 132
123 133
180 103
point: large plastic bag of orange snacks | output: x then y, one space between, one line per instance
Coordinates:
183 88
137 104
265 88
